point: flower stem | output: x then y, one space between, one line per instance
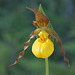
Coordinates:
46 64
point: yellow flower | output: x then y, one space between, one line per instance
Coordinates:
43 47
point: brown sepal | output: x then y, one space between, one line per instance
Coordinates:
41 19
35 24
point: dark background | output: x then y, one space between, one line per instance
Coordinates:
15 27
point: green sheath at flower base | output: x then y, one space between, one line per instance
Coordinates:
49 26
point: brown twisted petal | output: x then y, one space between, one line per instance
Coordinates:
14 62
20 55
26 44
34 33
41 19
58 40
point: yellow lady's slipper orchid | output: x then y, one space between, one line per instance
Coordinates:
43 47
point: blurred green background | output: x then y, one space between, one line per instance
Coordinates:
16 26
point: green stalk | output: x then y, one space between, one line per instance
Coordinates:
46 65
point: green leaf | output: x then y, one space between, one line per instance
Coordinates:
41 9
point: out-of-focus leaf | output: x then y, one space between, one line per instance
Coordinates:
70 46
